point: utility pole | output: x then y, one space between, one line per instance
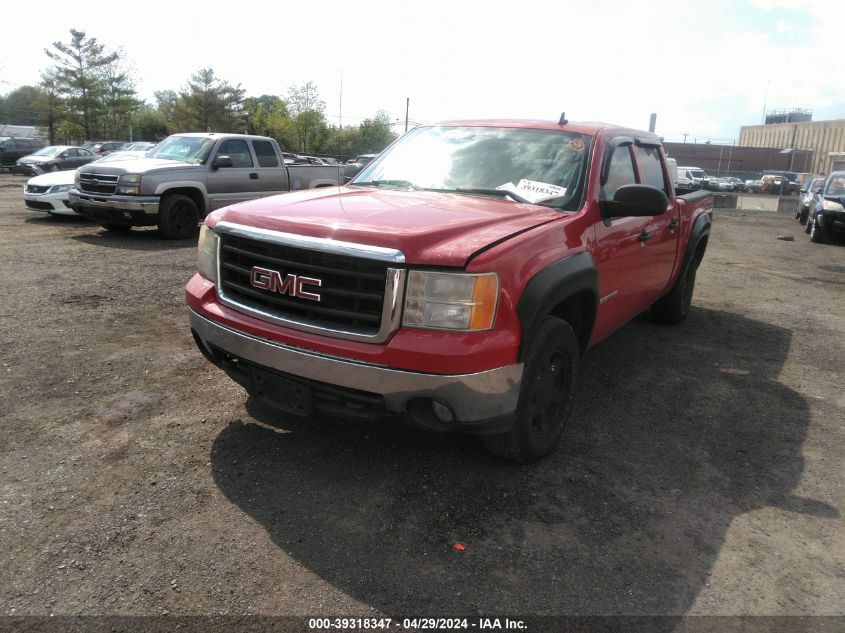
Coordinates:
652 122
407 106
340 105
686 134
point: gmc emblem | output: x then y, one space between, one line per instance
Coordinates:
293 285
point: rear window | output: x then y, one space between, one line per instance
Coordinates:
265 153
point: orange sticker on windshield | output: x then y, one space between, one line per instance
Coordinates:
576 144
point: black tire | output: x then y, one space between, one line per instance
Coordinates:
178 217
802 217
674 307
544 397
53 168
818 232
116 228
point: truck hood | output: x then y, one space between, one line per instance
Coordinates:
137 166
429 228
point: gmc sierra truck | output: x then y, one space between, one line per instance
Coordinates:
185 177
456 280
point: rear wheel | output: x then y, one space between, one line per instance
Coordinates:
545 395
802 216
178 217
116 228
674 307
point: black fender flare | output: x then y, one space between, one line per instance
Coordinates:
554 284
700 229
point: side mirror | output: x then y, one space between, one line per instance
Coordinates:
818 189
635 201
222 161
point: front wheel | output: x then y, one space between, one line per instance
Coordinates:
818 232
802 217
178 217
544 397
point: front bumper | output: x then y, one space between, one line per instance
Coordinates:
116 209
56 203
482 402
28 169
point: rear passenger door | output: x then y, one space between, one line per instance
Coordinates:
662 230
228 185
272 175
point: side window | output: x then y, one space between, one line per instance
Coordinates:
621 172
84 152
238 150
651 169
72 152
265 153
9 144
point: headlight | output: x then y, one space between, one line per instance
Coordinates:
76 180
451 301
129 184
830 205
207 254
59 188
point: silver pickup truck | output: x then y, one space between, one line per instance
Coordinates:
187 176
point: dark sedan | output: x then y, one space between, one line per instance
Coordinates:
54 158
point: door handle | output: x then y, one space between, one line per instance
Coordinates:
253 176
673 224
644 237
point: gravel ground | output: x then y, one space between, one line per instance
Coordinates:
701 474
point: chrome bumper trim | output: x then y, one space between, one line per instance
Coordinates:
473 397
147 204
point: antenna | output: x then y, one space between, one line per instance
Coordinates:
563 120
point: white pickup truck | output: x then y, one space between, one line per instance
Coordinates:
187 176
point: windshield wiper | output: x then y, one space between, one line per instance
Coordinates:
499 193
396 183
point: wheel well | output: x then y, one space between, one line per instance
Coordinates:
193 194
579 310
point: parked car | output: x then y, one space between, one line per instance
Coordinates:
827 209
101 148
48 193
737 185
13 149
805 198
54 158
140 146
456 281
695 174
187 176
790 183
775 184
686 185
753 186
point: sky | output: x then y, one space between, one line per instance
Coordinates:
705 67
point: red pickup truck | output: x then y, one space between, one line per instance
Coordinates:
457 280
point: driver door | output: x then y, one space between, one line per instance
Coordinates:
240 182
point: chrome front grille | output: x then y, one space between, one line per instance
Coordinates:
360 289
98 183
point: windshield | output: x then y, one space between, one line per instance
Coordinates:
836 186
538 166
48 151
698 173
188 149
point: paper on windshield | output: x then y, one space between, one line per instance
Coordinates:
533 190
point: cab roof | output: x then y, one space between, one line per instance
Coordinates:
587 128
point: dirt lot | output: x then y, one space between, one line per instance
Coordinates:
702 472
